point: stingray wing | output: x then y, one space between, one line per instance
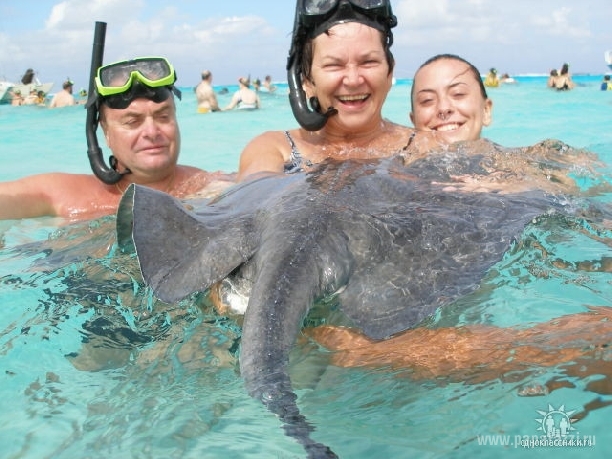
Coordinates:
432 250
180 252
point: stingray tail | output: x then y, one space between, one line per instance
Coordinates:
313 262
279 398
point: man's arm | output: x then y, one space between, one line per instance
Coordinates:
27 197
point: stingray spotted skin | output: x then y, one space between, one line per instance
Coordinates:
396 245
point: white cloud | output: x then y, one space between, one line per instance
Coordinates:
520 35
517 36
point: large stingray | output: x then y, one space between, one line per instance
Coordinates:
391 242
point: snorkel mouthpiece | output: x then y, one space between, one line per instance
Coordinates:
313 18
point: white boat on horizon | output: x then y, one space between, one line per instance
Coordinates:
7 89
608 58
28 82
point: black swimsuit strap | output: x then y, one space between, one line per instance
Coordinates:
410 139
295 159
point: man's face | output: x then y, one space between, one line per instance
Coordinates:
144 137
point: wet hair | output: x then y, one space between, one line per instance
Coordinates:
471 69
308 53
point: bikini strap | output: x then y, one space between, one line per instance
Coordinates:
410 139
295 158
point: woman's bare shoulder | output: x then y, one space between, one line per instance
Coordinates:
268 138
266 152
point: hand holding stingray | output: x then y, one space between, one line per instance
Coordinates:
392 242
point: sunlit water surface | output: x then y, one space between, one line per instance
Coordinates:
94 366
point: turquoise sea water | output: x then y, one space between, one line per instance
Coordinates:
93 366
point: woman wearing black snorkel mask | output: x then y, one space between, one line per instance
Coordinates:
135 103
340 70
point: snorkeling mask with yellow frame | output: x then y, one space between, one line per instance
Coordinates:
118 84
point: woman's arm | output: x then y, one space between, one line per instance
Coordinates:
234 101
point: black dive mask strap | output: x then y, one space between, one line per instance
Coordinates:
139 90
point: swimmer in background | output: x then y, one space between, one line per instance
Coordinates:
552 78
82 100
507 79
17 98
245 98
563 82
64 98
205 94
32 98
40 98
606 85
267 84
491 80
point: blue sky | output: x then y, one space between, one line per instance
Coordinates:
239 37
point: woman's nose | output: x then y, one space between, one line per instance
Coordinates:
444 113
353 75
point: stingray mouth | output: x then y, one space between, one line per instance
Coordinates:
353 99
447 127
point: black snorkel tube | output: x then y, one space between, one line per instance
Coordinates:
105 173
310 119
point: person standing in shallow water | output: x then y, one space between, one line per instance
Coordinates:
244 98
267 84
17 98
64 98
491 80
205 94
550 83
563 81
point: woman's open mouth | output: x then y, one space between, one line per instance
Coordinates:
447 127
353 99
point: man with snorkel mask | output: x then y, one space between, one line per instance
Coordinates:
134 103
340 70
